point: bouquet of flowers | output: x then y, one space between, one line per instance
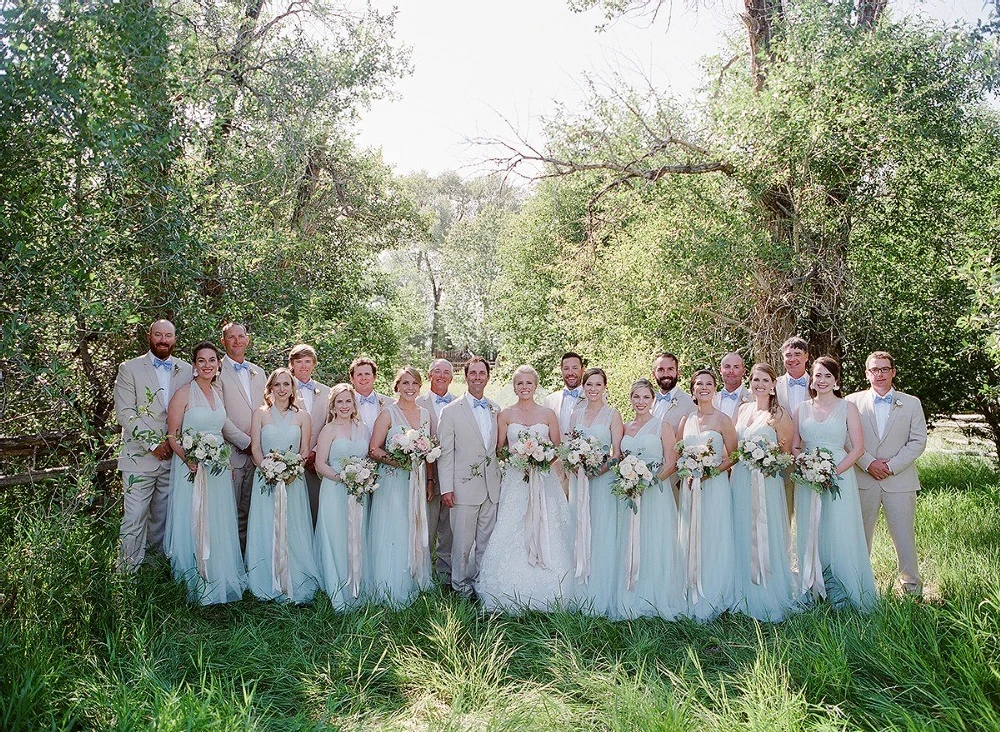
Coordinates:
632 477
697 461
529 451
406 447
815 469
762 453
208 448
582 450
359 475
282 467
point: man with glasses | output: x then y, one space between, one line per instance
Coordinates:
895 434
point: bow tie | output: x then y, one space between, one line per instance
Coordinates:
574 393
730 395
446 399
161 364
237 367
310 385
370 399
484 403
883 399
663 397
801 381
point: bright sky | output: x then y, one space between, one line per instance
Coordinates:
478 62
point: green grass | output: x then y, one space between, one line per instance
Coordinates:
81 648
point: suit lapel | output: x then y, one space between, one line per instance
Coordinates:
152 383
889 420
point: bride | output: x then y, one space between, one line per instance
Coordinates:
527 564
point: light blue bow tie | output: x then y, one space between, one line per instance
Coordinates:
883 399
574 393
237 367
446 399
161 364
663 397
311 386
370 399
730 395
484 403
801 381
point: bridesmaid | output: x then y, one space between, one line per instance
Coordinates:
211 566
827 420
280 425
705 521
343 435
659 588
764 589
597 590
399 560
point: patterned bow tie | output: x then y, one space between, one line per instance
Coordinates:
801 381
730 395
573 393
161 364
883 399
663 397
311 386
370 399
446 399
237 367
484 403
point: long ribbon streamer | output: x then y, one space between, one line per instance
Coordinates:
202 546
418 520
536 522
812 571
354 553
281 573
690 526
581 547
760 555
632 548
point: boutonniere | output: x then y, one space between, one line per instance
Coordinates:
493 409
897 403
672 403
253 373
177 369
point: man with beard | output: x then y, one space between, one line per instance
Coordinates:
143 389
565 401
440 374
672 403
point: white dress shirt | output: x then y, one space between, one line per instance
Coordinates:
483 419
438 406
662 405
308 395
244 376
163 377
882 411
368 412
796 395
566 412
729 402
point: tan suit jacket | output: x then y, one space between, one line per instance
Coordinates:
427 402
554 401
781 389
239 409
463 468
680 408
141 406
902 443
744 397
320 407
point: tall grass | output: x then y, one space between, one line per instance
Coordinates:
81 648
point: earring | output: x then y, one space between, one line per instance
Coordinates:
771 393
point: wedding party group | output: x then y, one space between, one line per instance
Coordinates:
757 495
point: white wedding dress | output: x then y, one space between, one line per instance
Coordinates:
507 580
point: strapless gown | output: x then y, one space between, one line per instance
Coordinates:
280 435
507 581
843 550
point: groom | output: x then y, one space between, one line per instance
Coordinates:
469 474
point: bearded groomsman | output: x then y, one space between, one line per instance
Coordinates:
792 389
143 389
440 374
732 394
469 474
672 403
314 398
564 402
362 372
895 434
242 393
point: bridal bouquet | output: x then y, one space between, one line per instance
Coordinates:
763 454
413 445
632 477
529 452
697 461
359 475
280 467
208 448
815 469
582 450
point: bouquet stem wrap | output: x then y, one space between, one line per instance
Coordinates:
812 567
690 526
536 522
281 574
632 548
418 519
760 556
202 546
354 553
581 550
